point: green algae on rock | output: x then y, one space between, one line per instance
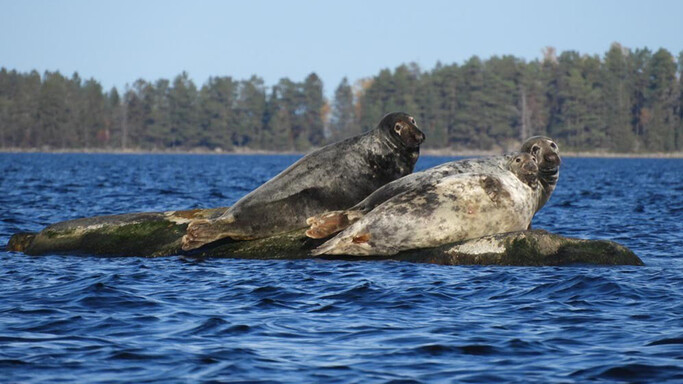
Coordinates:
155 234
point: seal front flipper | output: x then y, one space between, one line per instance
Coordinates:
329 223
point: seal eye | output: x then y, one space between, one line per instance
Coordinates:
397 127
553 145
518 160
413 121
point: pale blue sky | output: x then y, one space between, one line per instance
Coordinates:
117 42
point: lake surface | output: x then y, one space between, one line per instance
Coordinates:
175 319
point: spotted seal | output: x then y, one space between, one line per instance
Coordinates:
544 150
334 177
454 208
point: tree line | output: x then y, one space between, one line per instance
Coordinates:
624 101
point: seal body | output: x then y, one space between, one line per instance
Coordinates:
544 150
454 208
334 177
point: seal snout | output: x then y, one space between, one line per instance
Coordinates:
552 159
412 136
419 136
530 167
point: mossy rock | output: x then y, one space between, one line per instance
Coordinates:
147 234
154 234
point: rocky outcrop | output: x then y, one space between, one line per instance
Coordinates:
155 234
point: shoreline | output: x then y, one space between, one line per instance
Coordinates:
423 152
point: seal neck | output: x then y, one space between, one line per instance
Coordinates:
390 140
548 178
393 145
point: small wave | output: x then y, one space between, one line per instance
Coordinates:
631 372
135 355
468 349
209 326
10 363
236 330
667 341
362 290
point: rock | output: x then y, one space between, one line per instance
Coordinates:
148 234
155 234
526 248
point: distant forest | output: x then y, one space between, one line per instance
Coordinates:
626 101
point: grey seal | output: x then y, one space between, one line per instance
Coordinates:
334 177
454 208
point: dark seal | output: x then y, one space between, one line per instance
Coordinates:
334 177
547 154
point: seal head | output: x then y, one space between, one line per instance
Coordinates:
546 152
402 130
525 168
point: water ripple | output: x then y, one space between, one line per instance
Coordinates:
63 318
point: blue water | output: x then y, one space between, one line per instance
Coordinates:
78 319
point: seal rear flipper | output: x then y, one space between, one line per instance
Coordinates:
328 247
352 245
202 232
329 223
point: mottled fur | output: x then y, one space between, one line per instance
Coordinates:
542 148
453 208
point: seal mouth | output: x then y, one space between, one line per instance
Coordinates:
548 171
414 138
551 160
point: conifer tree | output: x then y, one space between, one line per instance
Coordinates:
343 122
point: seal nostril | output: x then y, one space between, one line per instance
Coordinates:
552 158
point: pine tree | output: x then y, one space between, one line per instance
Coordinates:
468 128
533 105
250 111
661 101
183 112
343 122
312 106
500 97
113 118
278 132
92 115
577 117
5 107
375 99
617 91
52 113
442 105
640 113
138 105
217 115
